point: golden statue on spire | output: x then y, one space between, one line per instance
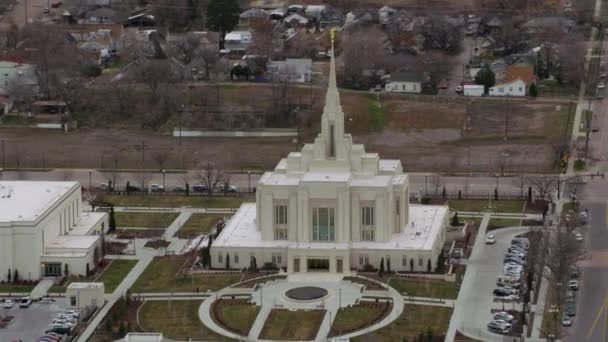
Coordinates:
333 36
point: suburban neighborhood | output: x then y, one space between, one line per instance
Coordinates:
303 170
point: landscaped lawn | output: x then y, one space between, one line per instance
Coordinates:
160 276
199 224
235 314
497 223
177 320
115 273
144 220
175 201
414 320
16 288
357 317
482 205
426 287
287 325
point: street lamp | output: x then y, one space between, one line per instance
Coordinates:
249 181
90 181
164 171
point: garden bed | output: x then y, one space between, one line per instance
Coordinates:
369 284
236 315
157 244
358 317
287 325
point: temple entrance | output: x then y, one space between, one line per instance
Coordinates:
296 265
318 265
339 266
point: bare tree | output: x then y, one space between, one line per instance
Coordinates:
435 64
362 53
160 157
437 182
543 184
209 176
264 38
142 179
188 47
123 98
442 33
68 175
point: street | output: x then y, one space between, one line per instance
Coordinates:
245 181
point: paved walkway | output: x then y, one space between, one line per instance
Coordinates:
42 288
539 309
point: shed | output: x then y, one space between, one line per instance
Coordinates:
473 90
83 295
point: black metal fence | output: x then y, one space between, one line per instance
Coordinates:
471 195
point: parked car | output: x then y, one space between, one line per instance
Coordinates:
156 188
578 236
8 304
573 284
25 302
179 189
230 188
570 308
566 321
508 290
103 187
574 274
199 188
503 315
497 328
601 85
47 10
490 239
49 337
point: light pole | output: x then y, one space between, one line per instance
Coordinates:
164 171
249 181
90 181
339 298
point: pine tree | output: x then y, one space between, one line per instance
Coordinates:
533 90
412 265
444 193
222 16
16 277
381 272
429 266
112 222
9 277
227 261
455 221
486 77
529 194
459 194
496 194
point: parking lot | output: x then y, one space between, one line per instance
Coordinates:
29 323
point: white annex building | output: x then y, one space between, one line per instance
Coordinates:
43 228
333 207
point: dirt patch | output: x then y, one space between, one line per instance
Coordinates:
156 244
129 234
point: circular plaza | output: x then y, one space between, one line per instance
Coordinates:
307 307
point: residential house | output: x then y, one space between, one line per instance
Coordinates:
473 90
252 14
315 11
277 14
404 21
295 8
140 20
361 17
541 24
385 14
294 70
238 41
473 25
102 40
516 82
17 82
101 16
296 20
405 82
492 24
331 18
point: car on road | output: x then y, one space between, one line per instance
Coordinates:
443 84
570 308
490 239
573 284
8 304
459 89
226 188
566 321
25 302
199 188
503 315
578 236
156 188
575 274
179 188
508 289
47 10
601 85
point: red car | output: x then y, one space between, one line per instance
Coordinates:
443 85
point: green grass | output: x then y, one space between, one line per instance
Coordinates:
414 320
161 276
145 220
115 273
357 317
579 165
482 205
16 288
175 201
287 325
426 287
235 314
552 88
375 110
177 320
200 224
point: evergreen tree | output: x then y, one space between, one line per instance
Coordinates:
381 271
222 16
16 276
496 194
412 265
459 194
66 270
429 266
122 330
455 221
485 77
112 222
109 324
227 261
444 193
529 194
533 90
9 277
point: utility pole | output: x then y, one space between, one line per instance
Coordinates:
466 117
26 21
600 31
507 120
143 153
3 157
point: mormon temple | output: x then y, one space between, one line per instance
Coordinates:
333 207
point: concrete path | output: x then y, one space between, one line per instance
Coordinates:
42 288
540 309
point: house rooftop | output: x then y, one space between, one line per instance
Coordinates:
520 72
26 201
407 76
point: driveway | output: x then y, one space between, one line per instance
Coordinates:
475 299
30 323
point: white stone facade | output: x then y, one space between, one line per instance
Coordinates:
333 207
43 228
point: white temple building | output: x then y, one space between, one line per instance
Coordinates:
333 207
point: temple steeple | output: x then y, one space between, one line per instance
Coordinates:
332 120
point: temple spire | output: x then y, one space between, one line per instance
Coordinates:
332 125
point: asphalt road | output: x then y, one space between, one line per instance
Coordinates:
418 182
